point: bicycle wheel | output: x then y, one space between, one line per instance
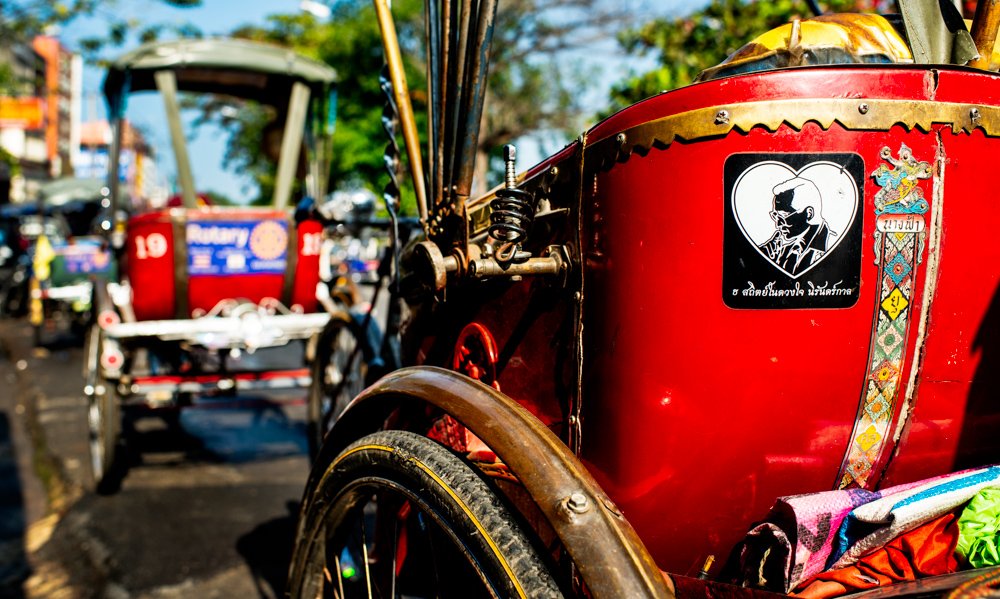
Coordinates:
396 514
104 420
338 375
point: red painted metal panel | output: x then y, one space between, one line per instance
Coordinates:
698 415
310 235
149 264
816 82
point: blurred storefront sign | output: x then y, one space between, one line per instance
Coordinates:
22 113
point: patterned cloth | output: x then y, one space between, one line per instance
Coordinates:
807 534
928 550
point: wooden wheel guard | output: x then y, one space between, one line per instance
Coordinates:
607 552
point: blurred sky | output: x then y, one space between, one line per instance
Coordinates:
219 17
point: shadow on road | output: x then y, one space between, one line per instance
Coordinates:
267 550
14 568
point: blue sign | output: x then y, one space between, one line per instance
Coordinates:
84 257
237 247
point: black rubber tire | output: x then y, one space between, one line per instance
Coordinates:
327 398
477 548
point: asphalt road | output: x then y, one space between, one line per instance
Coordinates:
206 509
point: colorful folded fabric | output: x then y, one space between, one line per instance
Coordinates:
874 524
808 534
927 550
978 528
797 538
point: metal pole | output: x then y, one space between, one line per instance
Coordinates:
456 93
166 82
393 57
433 31
478 70
291 144
985 25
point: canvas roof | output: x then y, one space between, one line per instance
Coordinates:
232 66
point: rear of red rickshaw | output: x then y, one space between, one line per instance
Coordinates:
721 300
202 285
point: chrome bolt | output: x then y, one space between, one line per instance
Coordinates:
621 139
863 108
578 503
88 390
722 117
509 160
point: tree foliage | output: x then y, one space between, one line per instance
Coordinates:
23 19
350 42
529 89
684 46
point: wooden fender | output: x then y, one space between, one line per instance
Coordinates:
611 559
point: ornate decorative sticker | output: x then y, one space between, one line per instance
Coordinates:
792 231
899 239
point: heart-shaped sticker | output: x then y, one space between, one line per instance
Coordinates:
795 219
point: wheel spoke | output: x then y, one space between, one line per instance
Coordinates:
364 555
442 521
340 577
395 551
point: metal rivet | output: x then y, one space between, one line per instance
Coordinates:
621 139
578 503
516 278
577 296
975 116
863 108
722 117
572 419
554 171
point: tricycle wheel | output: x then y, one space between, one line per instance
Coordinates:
396 514
338 375
104 420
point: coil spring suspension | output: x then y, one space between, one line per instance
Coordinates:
511 212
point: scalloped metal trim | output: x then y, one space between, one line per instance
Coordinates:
852 114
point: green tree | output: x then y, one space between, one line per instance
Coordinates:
23 19
529 89
350 42
685 46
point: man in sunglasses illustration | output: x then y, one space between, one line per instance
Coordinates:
801 235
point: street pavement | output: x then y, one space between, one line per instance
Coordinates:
206 509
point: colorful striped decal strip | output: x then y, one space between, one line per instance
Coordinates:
899 241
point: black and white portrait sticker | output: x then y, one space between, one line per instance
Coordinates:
792 230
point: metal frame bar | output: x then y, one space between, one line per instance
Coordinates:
166 83
291 144
226 331
114 158
243 381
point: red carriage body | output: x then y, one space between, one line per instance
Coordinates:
765 285
716 381
699 380
200 284
224 253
